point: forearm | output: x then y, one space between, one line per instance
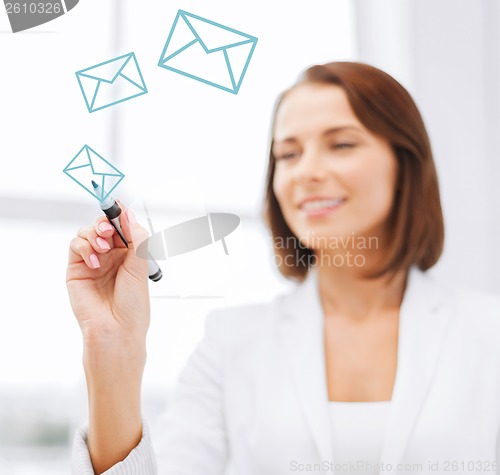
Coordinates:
114 392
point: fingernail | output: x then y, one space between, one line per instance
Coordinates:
102 243
105 226
131 216
94 261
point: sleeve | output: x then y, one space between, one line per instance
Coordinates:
140 461
191 436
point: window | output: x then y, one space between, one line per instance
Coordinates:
185 148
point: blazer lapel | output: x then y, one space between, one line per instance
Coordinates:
424 317
302 337
425 314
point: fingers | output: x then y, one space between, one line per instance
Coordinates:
80 249
103 227
91 241
107 231
102 237
99 243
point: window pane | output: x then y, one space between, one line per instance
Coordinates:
187 143
44 120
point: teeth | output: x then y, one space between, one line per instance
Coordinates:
320 204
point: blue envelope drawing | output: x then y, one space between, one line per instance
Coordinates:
89 166
111 82
207 51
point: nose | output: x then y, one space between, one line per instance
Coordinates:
311 166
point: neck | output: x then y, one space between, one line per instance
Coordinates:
347 293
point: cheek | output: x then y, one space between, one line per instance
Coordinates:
281 187
374 183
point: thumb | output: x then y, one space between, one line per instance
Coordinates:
135 234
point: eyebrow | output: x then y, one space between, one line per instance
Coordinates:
332 130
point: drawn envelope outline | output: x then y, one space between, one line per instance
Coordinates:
89 165
223 47
122 71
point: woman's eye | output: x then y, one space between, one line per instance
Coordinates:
342 145
286 156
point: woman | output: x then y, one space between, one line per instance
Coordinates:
368 366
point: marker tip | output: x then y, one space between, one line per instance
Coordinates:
94 184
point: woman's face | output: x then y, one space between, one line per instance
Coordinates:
333 177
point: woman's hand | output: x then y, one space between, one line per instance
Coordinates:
108 289
108 286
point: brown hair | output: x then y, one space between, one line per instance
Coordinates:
383 106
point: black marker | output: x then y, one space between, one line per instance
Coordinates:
112 210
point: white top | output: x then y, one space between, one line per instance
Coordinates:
358 432
252 396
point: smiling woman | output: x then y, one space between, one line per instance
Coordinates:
351 156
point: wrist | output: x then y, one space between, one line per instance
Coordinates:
111 343
117 360
113 378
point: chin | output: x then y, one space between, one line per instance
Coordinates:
323 238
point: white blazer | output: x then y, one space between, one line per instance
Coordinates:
253 399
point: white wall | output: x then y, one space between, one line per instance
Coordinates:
447 53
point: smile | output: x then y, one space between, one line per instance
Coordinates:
320 207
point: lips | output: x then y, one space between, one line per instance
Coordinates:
318 208
315 204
